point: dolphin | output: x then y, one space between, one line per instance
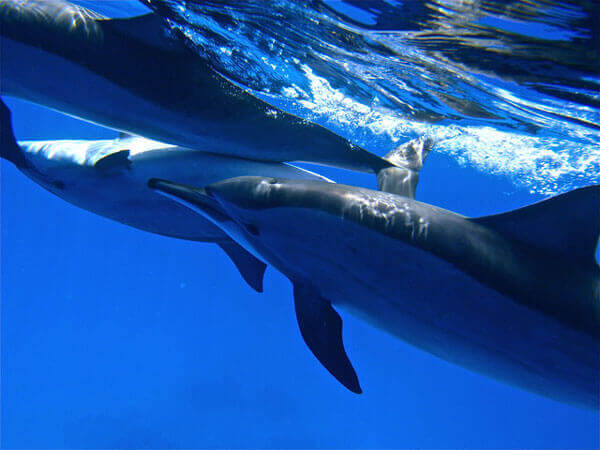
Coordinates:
134 76
108 178
514 296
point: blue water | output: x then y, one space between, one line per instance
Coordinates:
117 338
510 88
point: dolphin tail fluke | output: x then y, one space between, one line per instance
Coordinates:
251 268
9 149
567 224
402 177
321 329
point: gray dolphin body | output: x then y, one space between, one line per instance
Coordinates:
131 75
109 178
515 296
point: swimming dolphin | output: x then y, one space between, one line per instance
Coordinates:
132 75
515 296
108 177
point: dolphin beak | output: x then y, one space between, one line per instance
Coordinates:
195 198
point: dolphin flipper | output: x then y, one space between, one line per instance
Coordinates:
251 268
114 162
407 160
321 329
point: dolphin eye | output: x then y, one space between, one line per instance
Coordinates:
252 229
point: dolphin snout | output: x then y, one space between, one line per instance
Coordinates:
196 198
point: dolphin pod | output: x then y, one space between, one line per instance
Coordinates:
515 296
108 177
132 75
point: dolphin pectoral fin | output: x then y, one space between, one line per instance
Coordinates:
321 329
407 160
251 268
114 161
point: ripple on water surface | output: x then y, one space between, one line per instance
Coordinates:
509 87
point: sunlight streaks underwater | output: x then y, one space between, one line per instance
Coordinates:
509 88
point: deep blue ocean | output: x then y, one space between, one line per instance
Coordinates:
117 338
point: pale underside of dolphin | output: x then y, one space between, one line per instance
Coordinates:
515 296
109 178
135 76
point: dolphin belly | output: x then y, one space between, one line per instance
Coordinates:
74 171
120 195
69 87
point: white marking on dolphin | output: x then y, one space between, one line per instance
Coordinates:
514 296
134 76
109 178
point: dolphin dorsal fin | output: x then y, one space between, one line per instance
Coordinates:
567 224
407 160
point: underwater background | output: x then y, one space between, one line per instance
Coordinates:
116 338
